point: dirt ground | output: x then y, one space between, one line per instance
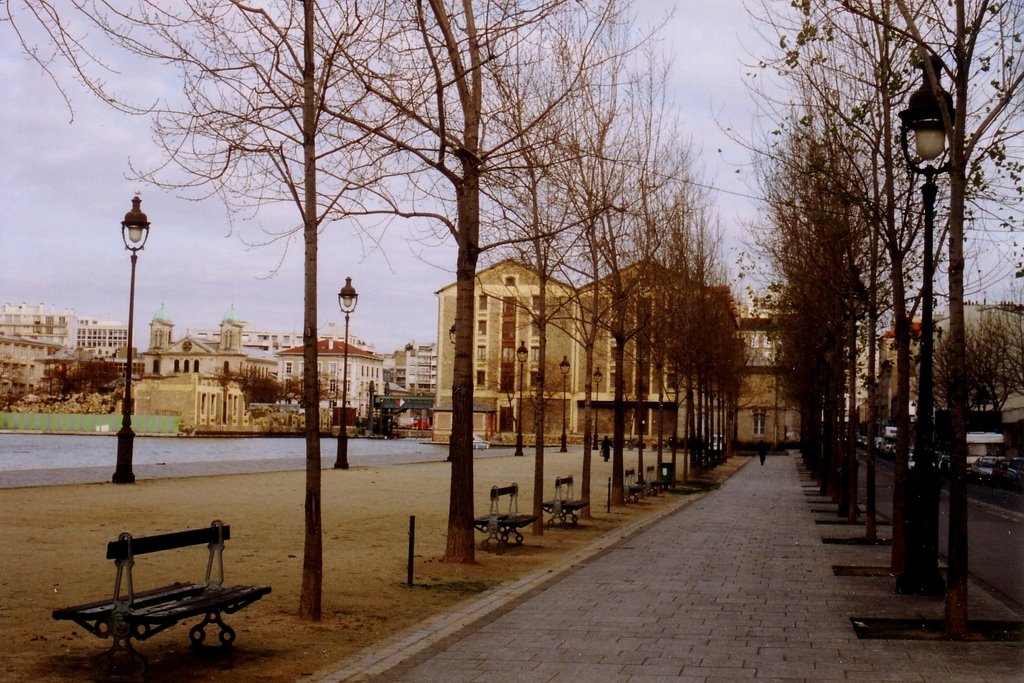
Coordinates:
53 543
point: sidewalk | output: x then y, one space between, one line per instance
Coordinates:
737 585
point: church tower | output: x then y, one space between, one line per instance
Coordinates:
231 332
161 331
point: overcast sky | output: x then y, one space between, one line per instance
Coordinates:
63 193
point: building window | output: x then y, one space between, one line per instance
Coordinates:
535 354
760 423
533 378
481 378
482 302
481 327
536 303
481 353
177 365
510 281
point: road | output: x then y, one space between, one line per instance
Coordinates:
995 536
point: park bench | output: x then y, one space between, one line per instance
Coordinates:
140 615
500 526
564 507
633 488
652 485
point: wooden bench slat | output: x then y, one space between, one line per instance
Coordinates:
175 591
118 550
214 599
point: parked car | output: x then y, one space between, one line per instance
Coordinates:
479 443
982 468
1009 473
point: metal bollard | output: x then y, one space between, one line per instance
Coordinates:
412 545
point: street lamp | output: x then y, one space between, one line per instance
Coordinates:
521 354
597 390
134 232
923 117
564 367
347 300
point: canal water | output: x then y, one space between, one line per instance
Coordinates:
19 451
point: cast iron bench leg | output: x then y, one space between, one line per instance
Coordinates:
121 637
197 634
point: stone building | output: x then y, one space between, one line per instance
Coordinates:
365 375
507 295
192 378
763 412
507 298
23 364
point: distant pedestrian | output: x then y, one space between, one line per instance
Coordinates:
606 448
762 451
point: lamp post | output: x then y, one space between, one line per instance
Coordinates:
347 299
134 232
564 367
597 390
521 354
923 117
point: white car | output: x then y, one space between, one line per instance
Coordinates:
479 443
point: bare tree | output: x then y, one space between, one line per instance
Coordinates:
12 381
980 44
250 127
432 70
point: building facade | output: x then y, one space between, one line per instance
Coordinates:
102 338
763 413
414 368
23 364
365 374
37 321
507 297
505 390
194 378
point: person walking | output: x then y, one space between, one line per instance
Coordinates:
606 448
762 451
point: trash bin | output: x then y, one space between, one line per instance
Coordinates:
667 474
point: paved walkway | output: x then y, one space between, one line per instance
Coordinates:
737 585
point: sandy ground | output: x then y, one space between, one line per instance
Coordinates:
53 542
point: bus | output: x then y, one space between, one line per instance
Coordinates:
984 443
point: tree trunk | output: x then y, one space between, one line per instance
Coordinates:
902 420
312 557
956 578
619 433
460 546
539 421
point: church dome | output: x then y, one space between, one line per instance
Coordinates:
161 316
231 316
